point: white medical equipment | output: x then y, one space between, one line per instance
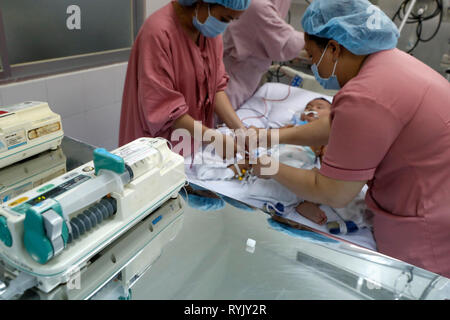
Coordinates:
446 10
70 236
27 129
30 173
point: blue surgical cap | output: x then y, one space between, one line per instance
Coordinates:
232 4
358 25
187 2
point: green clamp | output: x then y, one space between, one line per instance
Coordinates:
5 234
108 161
36 241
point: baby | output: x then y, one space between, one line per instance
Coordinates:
314 110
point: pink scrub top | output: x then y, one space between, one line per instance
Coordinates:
168 76
391 126
260 36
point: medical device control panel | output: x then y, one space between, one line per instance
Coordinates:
27 129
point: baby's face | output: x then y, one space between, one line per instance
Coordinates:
320 106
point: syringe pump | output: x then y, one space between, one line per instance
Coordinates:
27 174
27 129
56 227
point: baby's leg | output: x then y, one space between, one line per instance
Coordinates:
311 211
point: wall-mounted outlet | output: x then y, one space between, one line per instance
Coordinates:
446 61
446 8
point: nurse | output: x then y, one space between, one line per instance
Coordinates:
175 73
252 43
389 127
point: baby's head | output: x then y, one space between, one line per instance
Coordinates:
316 109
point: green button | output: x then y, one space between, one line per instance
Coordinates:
22 209
45 188
5 235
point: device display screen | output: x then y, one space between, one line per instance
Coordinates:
66 186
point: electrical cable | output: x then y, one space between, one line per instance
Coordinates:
265 115
419 19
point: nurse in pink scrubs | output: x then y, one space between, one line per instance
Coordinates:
252 43
175 73
389 128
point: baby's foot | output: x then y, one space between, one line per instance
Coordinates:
311 211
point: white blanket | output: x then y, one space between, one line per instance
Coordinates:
239 191
274 104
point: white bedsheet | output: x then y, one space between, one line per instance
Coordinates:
278 102
279 113
236 190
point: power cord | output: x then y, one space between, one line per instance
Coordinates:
419 18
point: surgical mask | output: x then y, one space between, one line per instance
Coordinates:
212 27
332 82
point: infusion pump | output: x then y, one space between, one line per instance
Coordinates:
27 129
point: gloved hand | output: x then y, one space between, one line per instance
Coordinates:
304 234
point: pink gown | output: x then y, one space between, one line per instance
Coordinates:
391 127
260 36
168 76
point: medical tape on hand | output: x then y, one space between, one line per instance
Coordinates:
314 113
343 227
238 170
270 206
